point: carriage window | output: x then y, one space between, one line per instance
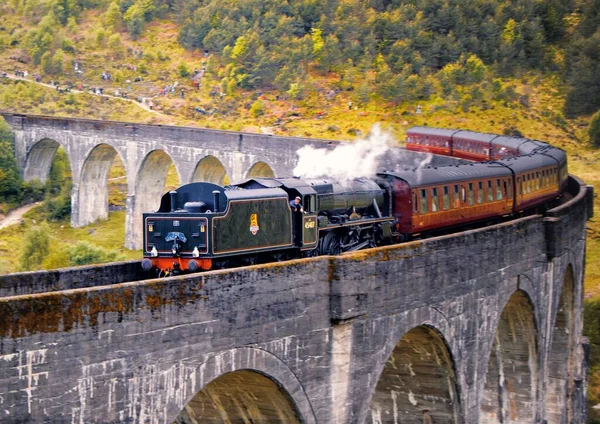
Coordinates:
499 190
537 181
456 200
471 195
509 191
490 191
446 199
480 192
415 203
435 200
544 179
424 208
520 186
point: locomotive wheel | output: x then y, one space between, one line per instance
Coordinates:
330 245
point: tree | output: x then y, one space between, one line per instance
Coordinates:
135 20
113 16
10 179
362 94
594 129
35 248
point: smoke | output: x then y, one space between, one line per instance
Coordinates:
349 160
362 158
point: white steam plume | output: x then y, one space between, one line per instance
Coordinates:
346 161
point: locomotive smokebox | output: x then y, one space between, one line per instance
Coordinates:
173 200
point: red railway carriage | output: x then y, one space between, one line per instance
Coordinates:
472 146
434 198
432 140
503 147
537 180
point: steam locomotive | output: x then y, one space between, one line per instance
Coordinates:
202 226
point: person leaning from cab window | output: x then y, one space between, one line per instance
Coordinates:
296 205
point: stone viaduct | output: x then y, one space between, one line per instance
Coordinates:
147 152
483 326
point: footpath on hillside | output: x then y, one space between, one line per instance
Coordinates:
14 217
144 105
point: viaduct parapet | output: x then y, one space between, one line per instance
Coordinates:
147 152
483 326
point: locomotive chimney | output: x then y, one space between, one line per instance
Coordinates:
216 196
173 200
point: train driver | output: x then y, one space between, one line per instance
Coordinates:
297 211
296 205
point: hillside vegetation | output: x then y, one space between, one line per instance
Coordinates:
316 68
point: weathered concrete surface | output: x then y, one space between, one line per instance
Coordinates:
147 152
427 331
70 278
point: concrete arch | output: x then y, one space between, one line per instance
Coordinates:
561 357
92 190
149 188
260 169
39 160
243 396
224 383
211 169
418 382
511 382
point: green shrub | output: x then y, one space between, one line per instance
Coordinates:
258 108
58 208
36 246
594 129
84 253
183 70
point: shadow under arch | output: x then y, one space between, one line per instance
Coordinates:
210 169
39 160
149 187
418 382
93 184
243 385
510 388
561 358
260 169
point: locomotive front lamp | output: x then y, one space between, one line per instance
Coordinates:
154 252
195 252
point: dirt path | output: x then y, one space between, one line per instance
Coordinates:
143 105
15 216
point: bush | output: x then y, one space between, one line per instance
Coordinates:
36 246
594 129
84 253
258 108
58 208
183 70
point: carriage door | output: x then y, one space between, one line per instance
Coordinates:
309 221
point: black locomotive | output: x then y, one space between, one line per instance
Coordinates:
201 225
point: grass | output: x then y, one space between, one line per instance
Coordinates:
108 234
